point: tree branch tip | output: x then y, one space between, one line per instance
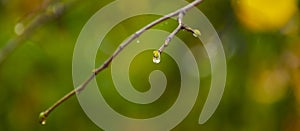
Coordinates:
43 117
156 56
156 53
196 33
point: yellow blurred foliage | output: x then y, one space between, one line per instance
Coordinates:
269 85
264 15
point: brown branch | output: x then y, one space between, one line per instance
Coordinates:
195 32
180 12
170 37
43 115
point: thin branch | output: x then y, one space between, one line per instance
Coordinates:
195 32
178 13
139 32
170 37
43 115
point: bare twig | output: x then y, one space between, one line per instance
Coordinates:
170 37
195 32
180 12
43 115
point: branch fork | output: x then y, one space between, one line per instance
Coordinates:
156 54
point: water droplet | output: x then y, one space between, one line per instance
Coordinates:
156 60
156 57
42 118
196 33
138 41
43 122
19 28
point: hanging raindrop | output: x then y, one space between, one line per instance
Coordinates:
156 60
138 41
156 57
43 122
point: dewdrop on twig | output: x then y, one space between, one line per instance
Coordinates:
43 122
156 57
42 118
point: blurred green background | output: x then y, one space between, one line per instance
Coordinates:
261 40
